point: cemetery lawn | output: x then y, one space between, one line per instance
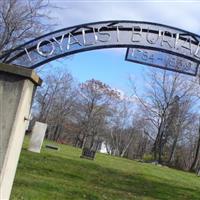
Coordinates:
60 175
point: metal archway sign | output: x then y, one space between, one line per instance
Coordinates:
147 43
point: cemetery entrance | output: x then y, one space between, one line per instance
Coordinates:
147 43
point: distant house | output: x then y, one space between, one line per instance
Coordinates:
103 148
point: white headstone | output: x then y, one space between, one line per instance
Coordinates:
37 137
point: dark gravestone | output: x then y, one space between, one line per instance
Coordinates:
49 146
88 154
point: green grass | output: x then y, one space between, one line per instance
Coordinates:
60 175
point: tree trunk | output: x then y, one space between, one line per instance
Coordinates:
172 151
157 141
194 163
198 174
126 147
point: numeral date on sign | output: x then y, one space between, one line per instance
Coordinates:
162 60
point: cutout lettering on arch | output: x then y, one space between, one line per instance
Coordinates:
183 45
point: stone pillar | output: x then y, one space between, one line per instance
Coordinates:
37 137
17 86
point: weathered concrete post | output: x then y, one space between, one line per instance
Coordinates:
17 86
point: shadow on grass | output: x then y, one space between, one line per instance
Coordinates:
63 178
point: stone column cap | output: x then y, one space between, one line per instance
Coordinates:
21 71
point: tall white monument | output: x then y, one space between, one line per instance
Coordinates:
37 137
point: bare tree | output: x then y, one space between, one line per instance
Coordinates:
182 117
21 21
54 103
197 151
160 105
95 100
121 130
196 161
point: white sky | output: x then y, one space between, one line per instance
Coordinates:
180 14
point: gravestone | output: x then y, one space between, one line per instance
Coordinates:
91 146
50 146
17 86
88 154
37 137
